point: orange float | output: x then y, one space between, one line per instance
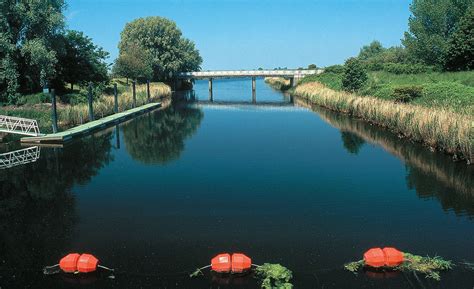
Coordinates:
69 263
87 263
240 263
374 257
393 257
389 257
221 263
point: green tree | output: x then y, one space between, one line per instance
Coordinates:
312 66
460 54
354 76
170 52
29 30
81 60
373 49
430 27
134 62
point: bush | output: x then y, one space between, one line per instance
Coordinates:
334 69
32 99
354 76
73 98
400 68
407 93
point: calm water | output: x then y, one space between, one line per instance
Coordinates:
160 195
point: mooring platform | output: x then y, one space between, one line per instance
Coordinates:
89 127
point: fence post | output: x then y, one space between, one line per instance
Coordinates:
91 109
134 92
115 98
148 90
54 114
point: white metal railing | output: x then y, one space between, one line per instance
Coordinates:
19 157
255 73
18 125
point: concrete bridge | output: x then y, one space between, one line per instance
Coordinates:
293 75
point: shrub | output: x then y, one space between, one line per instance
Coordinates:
400 68
354 76
407 93
34 98
334 69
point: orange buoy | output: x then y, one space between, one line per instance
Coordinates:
240 263
221 263
393 257
69 263
374 257
87 263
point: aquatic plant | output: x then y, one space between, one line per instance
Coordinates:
429 266
425 265
274 276
278 83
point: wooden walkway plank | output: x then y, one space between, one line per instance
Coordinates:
88 127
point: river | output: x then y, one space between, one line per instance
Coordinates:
159 195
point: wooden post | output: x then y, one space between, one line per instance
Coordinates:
91 109
134 92
54 114
148 94
115 98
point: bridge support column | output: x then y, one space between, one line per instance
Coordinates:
292 81
211 98
254 84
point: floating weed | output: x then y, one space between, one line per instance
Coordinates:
429 266
274 276
354 266
468 265
425 265
196 273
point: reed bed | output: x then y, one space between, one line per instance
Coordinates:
72 115
436 127
278 83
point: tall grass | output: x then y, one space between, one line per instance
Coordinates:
278 83
71 115
436 127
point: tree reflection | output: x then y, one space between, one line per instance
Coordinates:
158 137
37 207
352 142
432 175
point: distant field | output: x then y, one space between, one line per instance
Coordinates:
451 90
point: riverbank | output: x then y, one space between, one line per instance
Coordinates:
278 83
439 128
70 115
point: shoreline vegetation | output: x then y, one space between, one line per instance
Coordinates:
278 83
438 128
70 115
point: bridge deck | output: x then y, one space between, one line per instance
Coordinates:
247 73
90 126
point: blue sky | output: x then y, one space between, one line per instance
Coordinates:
247 34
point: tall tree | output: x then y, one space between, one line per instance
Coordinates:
170 52
81 60
29 29
371 50
460 54
354 76
430 26
134 62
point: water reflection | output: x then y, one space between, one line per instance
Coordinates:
432 175
37 207
19 157
158 137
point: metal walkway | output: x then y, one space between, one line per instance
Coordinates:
18 125
19 157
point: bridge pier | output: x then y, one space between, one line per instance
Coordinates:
210 84
254 84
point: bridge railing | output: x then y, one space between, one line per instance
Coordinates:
255 73
18 125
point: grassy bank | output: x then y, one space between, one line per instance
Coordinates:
70 115
438 127
448 90
278 83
